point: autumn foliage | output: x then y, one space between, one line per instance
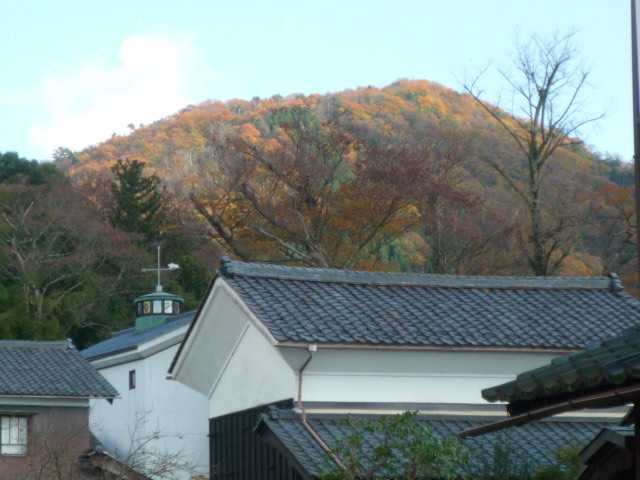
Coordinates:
398 178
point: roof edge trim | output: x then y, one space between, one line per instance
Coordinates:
423 348
620 396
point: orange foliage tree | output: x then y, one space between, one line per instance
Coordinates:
300 190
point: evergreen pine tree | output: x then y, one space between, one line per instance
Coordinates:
138 200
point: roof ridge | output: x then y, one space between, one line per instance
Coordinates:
38 344
230 268
121 332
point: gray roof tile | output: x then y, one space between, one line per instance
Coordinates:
335 306
537 440
49 369
129 339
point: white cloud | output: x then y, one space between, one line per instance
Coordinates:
87 103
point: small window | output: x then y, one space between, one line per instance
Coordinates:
168 306
13 435
176 307
132 379
139 308
147 308
157 306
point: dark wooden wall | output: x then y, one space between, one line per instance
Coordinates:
239 453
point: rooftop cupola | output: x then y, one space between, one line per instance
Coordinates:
155 308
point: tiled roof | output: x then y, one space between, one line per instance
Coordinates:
51 369
129 339
602 365
335 306
536 441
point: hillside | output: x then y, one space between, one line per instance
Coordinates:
398 178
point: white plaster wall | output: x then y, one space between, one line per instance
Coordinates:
212 341
111 422
409 376
176 412
254 374
231 358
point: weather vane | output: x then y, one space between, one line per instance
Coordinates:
170 267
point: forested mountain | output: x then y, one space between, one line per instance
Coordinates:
403 178
397 178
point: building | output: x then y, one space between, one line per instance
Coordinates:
282 353
306 458
153 414
45 392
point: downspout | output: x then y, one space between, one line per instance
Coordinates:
311 349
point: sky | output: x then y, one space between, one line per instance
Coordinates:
74 72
